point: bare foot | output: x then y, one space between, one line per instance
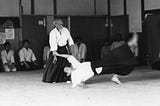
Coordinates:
115 79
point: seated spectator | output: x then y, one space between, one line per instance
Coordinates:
134 48
105 49
7 56
46 52
117 41
27 57
80 50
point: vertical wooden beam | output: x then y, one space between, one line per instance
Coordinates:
142 10
20 8
20 21
125 7
54 8
95 7
109 19
126 18
32 7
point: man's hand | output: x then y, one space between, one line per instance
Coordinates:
54 59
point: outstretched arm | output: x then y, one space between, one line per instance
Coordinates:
61 55
71 59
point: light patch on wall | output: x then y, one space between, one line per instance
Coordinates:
134 12
75 7
152 4
9 8
116 7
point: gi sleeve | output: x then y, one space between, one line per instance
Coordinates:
74 62
53 41
21 55
33 58
12 57
70 40
4 59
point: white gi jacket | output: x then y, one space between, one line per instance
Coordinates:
56 39
7 57
26 55
82 71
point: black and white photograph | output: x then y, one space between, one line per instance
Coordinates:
79 52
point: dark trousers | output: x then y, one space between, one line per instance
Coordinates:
54 72
31 66
156 65
119 61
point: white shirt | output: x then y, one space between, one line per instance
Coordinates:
7 57
26 55
80 53
56 39
82 71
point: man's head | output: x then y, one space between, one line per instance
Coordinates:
7 45
26 43
68 70
58 23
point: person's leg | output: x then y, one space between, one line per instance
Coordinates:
156 66
31 66
12 67
117 70
6 68
23 67
121 72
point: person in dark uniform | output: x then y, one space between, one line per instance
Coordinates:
119 61
60 41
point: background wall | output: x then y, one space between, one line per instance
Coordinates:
9 8
152 4
75 7
26 6
134 12
101 7
44 7
81 7
116 7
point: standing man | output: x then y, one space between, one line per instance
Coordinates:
60 41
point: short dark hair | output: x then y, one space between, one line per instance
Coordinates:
6 44
118 37
130 35
78 38
24 41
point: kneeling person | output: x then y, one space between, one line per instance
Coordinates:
7 56
27 57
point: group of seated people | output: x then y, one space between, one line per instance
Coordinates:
107 47
26 61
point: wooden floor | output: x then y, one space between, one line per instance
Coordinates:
140 88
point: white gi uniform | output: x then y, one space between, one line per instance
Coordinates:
26 55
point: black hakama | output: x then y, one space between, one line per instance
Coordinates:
119 61
54 72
